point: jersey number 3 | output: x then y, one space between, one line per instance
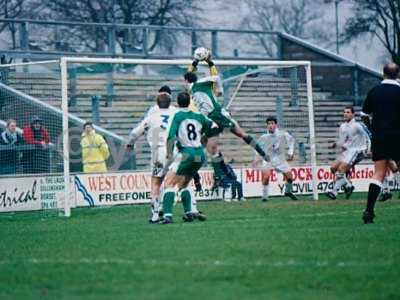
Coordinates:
164 121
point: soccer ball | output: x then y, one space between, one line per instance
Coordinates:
201 53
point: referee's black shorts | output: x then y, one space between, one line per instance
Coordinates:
385 149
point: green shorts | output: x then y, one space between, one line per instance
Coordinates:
223 119
188 161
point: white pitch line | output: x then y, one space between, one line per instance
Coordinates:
213 263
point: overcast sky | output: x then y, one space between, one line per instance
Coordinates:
366 51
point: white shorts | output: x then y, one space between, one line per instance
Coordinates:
158 160
279 165
175 162
351 157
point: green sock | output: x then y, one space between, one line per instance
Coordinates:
168 202
186 198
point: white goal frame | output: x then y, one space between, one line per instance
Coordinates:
64 61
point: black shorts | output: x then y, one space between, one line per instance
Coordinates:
385 149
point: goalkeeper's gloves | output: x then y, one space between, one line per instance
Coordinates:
194 65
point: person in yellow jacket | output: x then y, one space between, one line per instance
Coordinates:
94 150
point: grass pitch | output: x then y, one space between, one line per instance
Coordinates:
252 250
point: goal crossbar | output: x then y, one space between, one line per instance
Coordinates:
107 60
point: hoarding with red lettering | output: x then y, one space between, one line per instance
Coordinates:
129 188
46 192
302 184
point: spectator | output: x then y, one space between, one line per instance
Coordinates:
36 159
9 154
230 181
94 150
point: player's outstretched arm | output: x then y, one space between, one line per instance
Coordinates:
290 141
171 137
137 132
193 66
218 87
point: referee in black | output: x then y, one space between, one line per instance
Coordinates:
382 106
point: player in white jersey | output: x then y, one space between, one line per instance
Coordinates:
274 143
155 125
354 143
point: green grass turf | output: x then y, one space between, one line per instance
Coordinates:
252 250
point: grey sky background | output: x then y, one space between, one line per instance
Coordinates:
366 50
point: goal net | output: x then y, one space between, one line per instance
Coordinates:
114 95
31 144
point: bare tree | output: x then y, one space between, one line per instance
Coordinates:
137 12
11 9
380 18
301 18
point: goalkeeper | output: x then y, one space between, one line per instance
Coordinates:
203 93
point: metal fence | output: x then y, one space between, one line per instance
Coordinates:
32 38
38 40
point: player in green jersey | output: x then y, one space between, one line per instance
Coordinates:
204 93
185 133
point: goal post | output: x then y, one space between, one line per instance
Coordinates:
65 136
312 130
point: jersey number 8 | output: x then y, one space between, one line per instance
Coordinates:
191 131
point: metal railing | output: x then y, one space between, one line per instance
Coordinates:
29 159
38 40
116 40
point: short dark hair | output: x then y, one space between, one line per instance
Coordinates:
272 119
391 70
190 77
165 89
183 99
36 119
88 123
163 100
350 107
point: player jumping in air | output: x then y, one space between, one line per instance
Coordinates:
354 142
185 134
203 93
274 143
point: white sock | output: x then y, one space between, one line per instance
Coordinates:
396 178
194 201
340 181
155 204
265 191
385 186
348 183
